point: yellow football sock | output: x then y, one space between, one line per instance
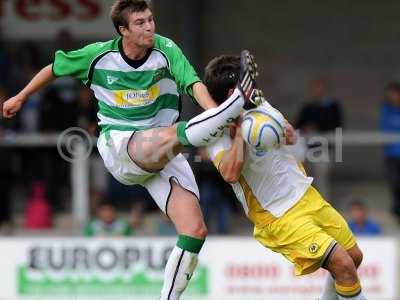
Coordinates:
349 292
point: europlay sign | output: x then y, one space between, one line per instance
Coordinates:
99 269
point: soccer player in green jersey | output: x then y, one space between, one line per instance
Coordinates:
137 79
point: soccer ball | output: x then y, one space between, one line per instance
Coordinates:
263 128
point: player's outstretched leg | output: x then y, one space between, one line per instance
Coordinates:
152 149
184 211
343 269
206 127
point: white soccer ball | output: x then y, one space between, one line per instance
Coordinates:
263 128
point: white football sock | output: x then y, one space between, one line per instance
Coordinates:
178 271
329 292
207 127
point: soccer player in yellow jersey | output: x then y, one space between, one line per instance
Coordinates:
289 215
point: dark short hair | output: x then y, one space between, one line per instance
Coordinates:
106 203
121 9
393 86
358 203
221 75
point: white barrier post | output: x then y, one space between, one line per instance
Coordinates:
80 186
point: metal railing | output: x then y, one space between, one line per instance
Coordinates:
79 170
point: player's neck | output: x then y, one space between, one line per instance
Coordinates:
132 51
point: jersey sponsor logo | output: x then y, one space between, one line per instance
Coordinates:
137 98
111 79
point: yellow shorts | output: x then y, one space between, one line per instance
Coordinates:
306 233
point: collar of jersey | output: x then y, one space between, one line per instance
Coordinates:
134 63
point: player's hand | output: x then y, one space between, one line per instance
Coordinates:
290 135
12 106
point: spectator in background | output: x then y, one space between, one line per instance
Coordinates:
320 114
107 223
360 223
136 215
38 214
390 123
65 41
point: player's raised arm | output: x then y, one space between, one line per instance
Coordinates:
232 160
73 63
14 104
202 96
227 155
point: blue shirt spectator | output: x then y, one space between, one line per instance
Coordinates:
390 117
368 228
390 123
360 223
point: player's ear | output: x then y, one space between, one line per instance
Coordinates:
123 30
230 92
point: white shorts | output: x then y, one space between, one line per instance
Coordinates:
113 148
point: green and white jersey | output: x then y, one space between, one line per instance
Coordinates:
132 95
119 227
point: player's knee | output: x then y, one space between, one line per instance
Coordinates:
343 268
198 229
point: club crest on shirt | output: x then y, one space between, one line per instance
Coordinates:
137 98
160 74
313 248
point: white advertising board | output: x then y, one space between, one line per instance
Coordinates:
45 18
229 268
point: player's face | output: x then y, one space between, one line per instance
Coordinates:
107 214
141 29
358 214
393 96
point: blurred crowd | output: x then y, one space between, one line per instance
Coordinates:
39 177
